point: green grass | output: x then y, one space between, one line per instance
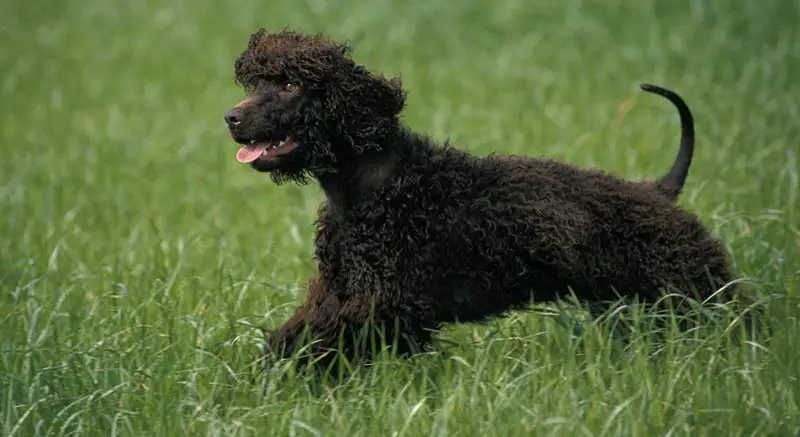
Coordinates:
137 257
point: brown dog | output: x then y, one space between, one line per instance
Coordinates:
414 235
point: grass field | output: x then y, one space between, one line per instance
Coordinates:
138 258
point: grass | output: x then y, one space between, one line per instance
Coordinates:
137 257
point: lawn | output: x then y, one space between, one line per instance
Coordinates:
138 259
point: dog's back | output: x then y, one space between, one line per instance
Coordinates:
616 234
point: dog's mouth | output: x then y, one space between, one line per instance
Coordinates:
266 151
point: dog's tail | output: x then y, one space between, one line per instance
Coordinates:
671 184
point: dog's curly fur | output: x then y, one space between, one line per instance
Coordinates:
414 235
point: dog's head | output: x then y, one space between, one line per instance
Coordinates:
309 109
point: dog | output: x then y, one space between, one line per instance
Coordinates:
414 235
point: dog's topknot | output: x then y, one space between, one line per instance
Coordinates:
290 55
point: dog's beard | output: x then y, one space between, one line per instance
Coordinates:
280 176
312 160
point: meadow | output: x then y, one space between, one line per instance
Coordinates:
139 260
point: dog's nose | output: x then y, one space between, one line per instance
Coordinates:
233 117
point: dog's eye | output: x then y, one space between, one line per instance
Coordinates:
289 87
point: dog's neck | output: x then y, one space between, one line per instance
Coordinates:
358 180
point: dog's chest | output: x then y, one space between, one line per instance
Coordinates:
378 246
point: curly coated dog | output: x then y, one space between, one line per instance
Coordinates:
414 235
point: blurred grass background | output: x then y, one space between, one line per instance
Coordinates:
137 255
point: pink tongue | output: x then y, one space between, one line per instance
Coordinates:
250 153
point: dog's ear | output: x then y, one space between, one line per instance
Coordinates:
376 93
395 85
363 106
385 95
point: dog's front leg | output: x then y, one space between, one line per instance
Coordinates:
323 326
286 340
355 327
